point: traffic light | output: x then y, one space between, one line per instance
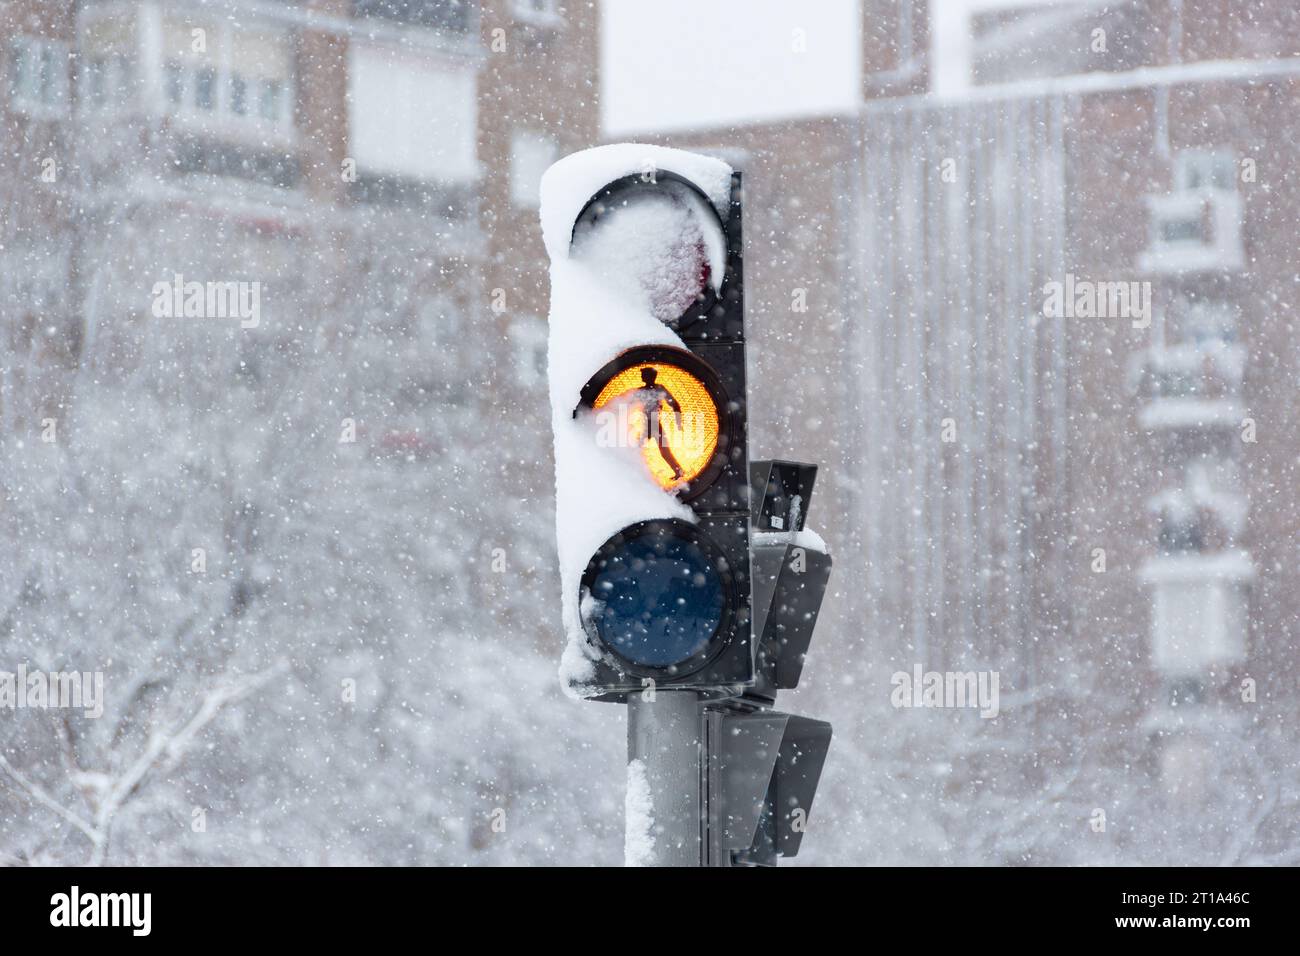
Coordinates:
763 766
664 598
686 570
790 574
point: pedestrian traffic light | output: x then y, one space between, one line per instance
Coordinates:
664 599
665 590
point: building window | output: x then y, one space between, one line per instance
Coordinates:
1197 169
174 82
455 16
531 154
1196 227
38 76
238 95
105 80
529 337
239 74
1211 323
1180 533
104 64
204 82
409 117
539 12
272 98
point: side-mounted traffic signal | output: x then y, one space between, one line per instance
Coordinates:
789 573
763 766
762 770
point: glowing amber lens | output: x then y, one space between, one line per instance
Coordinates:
688 432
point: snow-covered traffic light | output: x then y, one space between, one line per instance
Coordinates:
648 392
678 597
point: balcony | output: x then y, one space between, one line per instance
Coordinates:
1198 518
1192 385
1198 617
1194 230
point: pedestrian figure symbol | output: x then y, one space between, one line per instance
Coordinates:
650 398
667 413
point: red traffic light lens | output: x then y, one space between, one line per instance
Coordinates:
659 236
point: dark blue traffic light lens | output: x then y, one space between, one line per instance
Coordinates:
660 597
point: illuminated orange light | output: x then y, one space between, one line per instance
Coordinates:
687 433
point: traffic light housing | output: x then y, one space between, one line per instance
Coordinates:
690 587
762 768
664 599
790 574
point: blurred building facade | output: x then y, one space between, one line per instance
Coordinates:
413 127
1097 506
372 164
1145 519
352 464
1097 501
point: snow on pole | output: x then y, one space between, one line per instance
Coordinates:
664 804
638 834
